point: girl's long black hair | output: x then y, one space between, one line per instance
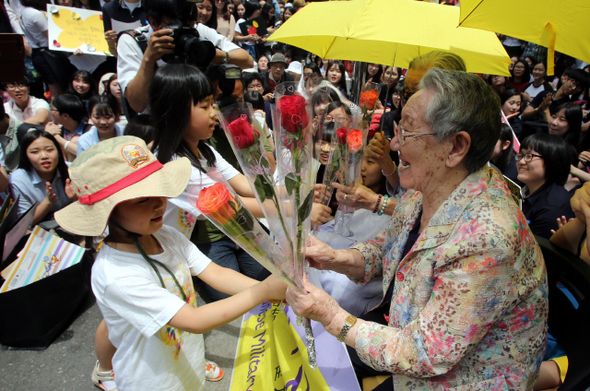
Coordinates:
174 90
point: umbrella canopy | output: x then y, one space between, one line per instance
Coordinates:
561 25
390 32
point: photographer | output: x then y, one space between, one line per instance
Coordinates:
136 68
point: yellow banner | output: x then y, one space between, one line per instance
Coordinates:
271 355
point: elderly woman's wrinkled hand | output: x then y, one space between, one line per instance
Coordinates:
312 302
356 197
580 202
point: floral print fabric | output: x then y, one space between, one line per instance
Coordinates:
469 304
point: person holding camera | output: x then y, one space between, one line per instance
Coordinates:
136 66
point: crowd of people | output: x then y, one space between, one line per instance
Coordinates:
439 304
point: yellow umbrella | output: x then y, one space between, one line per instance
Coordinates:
562 25
390 32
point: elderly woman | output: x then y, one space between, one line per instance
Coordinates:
464 281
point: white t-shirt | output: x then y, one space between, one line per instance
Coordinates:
34 24
151 355
182 211
534 91
130 54
12 109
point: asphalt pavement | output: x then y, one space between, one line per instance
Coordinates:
66 365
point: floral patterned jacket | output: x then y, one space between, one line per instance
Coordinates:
469 304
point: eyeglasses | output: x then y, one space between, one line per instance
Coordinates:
329 118
15 86
400 132
527 157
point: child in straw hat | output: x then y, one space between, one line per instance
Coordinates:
142 275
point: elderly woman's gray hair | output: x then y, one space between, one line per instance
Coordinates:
464 102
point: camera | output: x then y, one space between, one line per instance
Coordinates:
189 47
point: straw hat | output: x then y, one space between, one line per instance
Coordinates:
113 171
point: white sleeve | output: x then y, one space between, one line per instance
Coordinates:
221 42
227 170
12 15
195 259
238 23
129 60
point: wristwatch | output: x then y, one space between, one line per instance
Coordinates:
226 59
350 321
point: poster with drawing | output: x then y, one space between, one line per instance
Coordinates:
76 28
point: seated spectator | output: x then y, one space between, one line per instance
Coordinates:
500 83
83 85
42 176
141 126
103 114
8 140
539 83
253 82
276 74
68 123
511 101
111 87
566 122
521 75
503 157
336 75
574 81
543 166
24 107
257 102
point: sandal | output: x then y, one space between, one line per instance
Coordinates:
98 377
213 372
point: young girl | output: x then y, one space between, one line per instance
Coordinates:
103 114
41 177
511 101
83 85
543 166
336 75
142 275
181 100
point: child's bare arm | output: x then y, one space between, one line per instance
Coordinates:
205 318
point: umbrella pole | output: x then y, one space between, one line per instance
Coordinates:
387 89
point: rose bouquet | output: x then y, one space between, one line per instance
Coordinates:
368 99
351 148
285 196
294 146
243 133
223 208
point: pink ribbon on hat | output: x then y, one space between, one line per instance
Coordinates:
121 184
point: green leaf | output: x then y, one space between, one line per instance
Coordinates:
292 181
305 208
263 188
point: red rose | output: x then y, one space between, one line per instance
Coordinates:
355 140
242 132
368 99
214 201
341 134
293 113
